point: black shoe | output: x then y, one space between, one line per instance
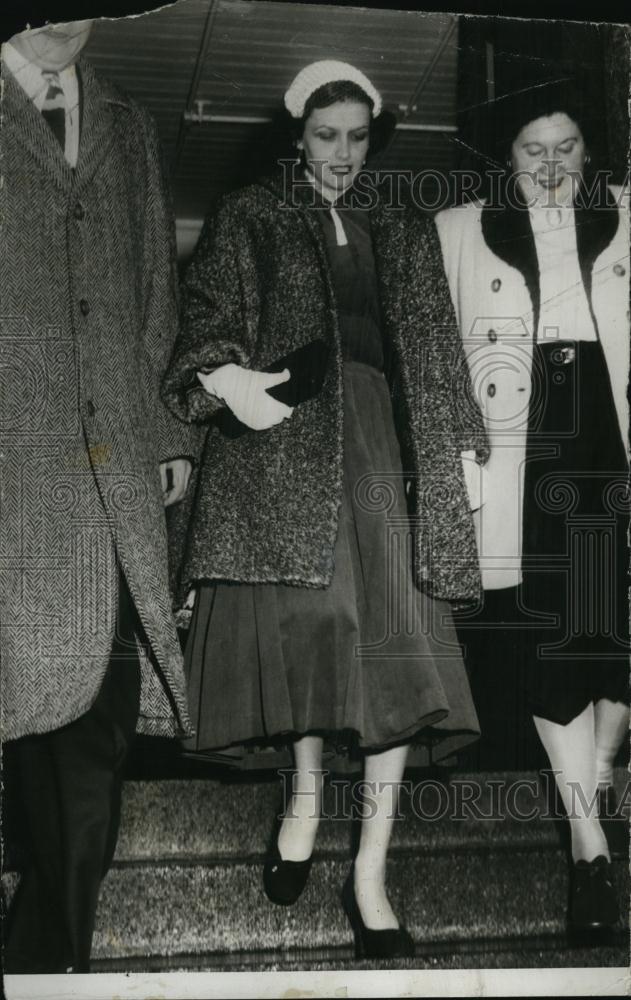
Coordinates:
391 943
284 881
593 903
614 823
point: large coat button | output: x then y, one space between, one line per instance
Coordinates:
619 269
79 211
84 306
496 284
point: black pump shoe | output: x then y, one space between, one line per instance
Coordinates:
593 903
391 943
614 823
284 881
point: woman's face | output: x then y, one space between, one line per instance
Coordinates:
335 144
548 156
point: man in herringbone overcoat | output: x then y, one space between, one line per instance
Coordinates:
89 456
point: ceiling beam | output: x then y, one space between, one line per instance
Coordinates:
200 116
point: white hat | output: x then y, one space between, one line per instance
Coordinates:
317 74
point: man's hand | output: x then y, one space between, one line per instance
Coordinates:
174 476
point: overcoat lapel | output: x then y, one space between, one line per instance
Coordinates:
303 198
389 264
99 103
310 221
98 121
22 120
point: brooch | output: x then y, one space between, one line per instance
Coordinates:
567 355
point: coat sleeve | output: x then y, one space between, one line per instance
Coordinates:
220 308
445 361
174 439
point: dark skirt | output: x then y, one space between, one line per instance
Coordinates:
574 596
367 663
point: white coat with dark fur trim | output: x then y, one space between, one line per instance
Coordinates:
491 264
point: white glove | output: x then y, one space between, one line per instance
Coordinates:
244 392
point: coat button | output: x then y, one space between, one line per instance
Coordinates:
496 284
619 269
84 306
79 211
90 407
492 336
491 389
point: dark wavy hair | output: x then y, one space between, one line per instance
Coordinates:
510 113
381 127
276 141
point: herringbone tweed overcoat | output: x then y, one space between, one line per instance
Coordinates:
266 504
88 319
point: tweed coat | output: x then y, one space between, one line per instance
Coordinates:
266 504
491 263
88 318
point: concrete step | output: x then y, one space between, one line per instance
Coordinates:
544 953
214 820
476 872
219 912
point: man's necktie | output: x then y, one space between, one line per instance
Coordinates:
54 107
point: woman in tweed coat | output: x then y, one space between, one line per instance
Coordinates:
307 512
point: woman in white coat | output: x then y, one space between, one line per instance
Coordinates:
539 275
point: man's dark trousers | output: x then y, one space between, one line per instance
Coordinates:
69 783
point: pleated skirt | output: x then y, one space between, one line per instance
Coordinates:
367 663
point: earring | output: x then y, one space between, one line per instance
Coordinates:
588 159
299 144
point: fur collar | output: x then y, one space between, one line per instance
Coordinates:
508 233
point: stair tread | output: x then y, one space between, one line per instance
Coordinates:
481 958
212 819
472 883
222 908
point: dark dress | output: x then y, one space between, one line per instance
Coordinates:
562 637
575 555
368 662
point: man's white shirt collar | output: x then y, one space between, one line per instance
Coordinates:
35 85
31 79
